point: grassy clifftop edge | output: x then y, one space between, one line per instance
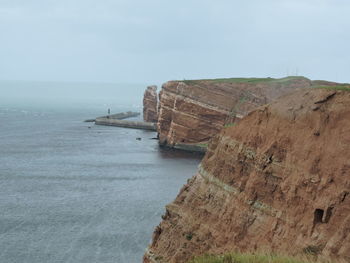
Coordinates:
244 80
258 258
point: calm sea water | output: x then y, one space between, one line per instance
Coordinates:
75 192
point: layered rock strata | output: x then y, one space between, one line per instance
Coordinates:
192 112
150 104
277 181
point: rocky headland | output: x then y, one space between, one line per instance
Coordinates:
191 112
278 180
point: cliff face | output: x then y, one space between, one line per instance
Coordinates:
192 112
150 104
277 181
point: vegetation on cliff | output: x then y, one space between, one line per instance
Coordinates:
255 258
247 80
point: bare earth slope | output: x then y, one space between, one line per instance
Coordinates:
194 111
279 181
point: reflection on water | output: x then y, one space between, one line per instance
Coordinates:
70 193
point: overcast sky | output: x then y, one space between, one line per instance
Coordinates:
151 41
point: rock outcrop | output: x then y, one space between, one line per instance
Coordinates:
192 112
277 181
150 104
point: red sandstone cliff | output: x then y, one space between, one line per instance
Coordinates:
192 112
278 181
150 104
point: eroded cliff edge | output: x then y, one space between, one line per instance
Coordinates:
277 181
150 104
193 111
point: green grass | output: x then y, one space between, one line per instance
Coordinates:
251 258
227 125
245 80
203 145
344 87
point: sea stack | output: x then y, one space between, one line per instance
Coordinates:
277 181
150 104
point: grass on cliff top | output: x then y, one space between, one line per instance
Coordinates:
228 125
203 145
245 80
252 258
345 87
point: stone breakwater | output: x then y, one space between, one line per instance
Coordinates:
278 177
117 116
126 124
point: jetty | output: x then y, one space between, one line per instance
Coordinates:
118 120
126 124
117 116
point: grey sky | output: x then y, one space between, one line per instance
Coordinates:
157 40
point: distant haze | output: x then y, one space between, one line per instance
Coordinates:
70 95
138 41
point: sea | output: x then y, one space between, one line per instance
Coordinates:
72 191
